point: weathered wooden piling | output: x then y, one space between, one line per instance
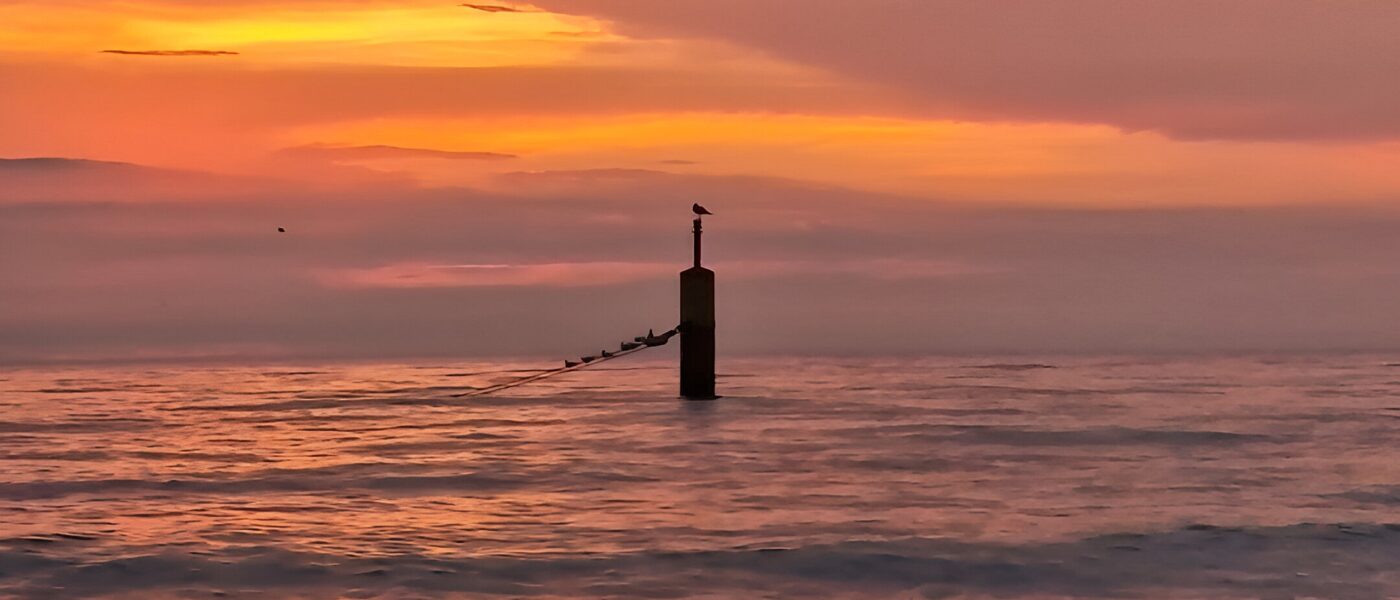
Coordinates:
697 328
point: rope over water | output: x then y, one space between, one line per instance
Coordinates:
650 341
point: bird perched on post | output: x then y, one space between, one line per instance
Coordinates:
700 210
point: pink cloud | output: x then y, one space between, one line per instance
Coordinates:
603 273
1245 69
420 275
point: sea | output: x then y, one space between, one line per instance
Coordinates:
945 477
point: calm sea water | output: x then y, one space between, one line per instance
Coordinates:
928 478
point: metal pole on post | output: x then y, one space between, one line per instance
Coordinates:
697 328
697 230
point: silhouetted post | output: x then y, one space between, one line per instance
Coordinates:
697 329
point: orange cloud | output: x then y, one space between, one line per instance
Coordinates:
1055 163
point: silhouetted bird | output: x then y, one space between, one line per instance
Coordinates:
588 359
700 210
569 364
607 354
659 340
629 346
281 230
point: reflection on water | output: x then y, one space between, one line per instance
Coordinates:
853 478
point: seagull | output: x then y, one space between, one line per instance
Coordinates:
700 210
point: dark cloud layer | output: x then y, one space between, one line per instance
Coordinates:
171 52
332 152
49 164
495 8
45 179
1253 69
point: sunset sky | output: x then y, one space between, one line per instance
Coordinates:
890 176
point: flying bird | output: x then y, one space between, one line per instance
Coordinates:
281 230
700 210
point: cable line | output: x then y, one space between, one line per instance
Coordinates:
642 343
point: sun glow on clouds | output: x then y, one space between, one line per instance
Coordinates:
369 33
431 161
1060 163
228 87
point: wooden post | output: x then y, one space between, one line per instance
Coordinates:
697 329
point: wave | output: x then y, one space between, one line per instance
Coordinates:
999 435
396 479
336 479
1340 561
1013 366
77 426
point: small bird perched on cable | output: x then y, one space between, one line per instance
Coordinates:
700 210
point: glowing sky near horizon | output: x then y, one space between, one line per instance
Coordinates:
598 87
832 132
